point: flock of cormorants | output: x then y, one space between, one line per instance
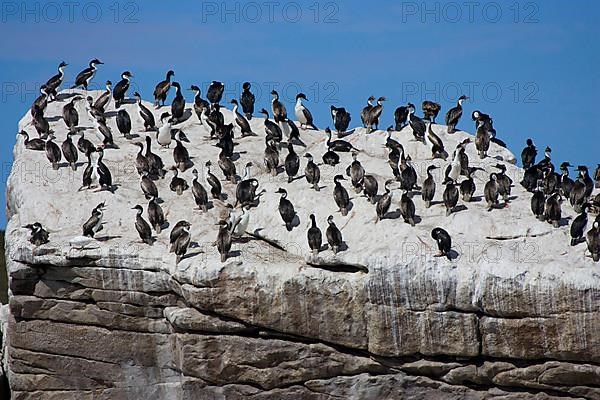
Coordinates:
549 187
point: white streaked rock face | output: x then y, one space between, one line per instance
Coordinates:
518 309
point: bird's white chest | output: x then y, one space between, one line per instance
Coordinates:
299 111
164 135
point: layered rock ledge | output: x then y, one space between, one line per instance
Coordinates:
515 315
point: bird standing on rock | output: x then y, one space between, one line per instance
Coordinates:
142 226
162 90
443 240
454 114
39 235
314 235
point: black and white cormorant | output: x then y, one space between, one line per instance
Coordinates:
178 104
95 114
356 172
181 155
334 236
401 117
408 174
373 115
124 123
435 143
417 124
341 119
177 185
247 100
199 192
53 152
331 158
38 235
94 224
428 188
104 175
504 183
587 179
200 105
450 197
312 173
213 182
286 209
70 151
340 195
279 111
41 101
431 110
240 120
141 162
182 243
40 123
164 135
175 232
370 188
552 210
314 236
453 115
223 241
490 192
364 115
70 114
142 227
292 163
148 186
84 77
482 140
154 161
338 144
389 142
102 101
156 216
214 94
468 187
227 167
84 145
407 208
214 120
245 191
579 224
528 155
443 240
271 157
120 90
302 113
54 83
272 129
384 202
36 144
538 201
162 90
593 241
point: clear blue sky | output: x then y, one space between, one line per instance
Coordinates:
534 66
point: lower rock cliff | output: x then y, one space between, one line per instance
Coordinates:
515 314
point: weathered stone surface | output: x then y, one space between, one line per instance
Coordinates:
261 362
565 337
110 315
514 316
400 332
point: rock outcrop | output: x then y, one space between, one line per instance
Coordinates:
514 315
